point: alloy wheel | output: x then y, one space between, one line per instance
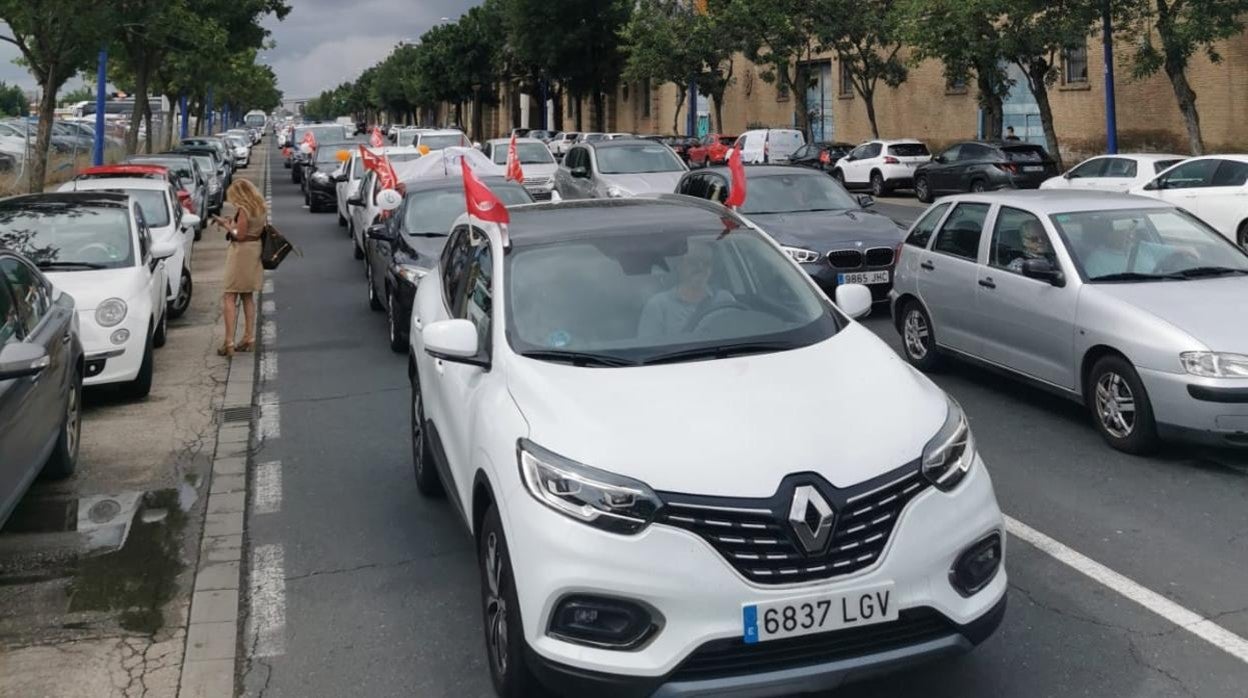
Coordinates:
73 421
495 605
920 189
1115 405
916 333
877 185
978 187
394 331
418 430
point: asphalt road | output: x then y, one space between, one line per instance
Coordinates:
361 587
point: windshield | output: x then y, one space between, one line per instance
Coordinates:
205 162
1163 165
327 155
69 235
1146 244
907 150
435 211
795 193
181 168
444 141
530 154
637 159
153 203
666 296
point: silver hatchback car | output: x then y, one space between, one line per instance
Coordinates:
1130 305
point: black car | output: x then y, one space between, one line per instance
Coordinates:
320 189
821 155
821 226
983 166
401 249
41 369
186 169
322 133
220 167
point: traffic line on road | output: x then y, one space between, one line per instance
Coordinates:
269 425
267 288
268 486
268 333
268 367
1186 619
266 623
268 307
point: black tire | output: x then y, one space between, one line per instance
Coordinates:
922 191
374 303
64 459
1242 236
398 335
199 233
1113 384
342 222
356 252
504 634
878 187
294 175
427 480
162 331
182 302
978 186
141 386
918 338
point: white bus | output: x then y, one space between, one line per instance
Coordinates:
256 119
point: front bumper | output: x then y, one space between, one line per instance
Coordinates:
700 595
323 194
107 362
1209 411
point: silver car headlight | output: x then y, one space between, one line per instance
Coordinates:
801 255
604 500
110 313
320 177
615 191
1215 364
948 456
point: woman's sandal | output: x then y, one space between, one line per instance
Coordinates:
226 350
246 346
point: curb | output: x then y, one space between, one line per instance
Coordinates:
208 661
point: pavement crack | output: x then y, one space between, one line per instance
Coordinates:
342 396
372 566
1084 619
1139 658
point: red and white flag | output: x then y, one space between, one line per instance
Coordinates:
482 203
309 139
514 173
736 192
376 140
381 165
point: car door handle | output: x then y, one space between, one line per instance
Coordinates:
65 338
928 266
987 283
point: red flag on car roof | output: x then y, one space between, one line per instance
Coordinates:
381 165
736 193
482 203
376 140
514 173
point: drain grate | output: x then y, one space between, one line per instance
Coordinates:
236 414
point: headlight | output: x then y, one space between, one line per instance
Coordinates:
601 499
320 177
1212 364
801 255
617 192
948 456
410 272
110 312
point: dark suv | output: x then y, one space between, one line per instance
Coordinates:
983 166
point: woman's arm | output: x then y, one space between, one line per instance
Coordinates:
241 227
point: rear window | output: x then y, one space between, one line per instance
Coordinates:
909 150
1163 165
1026 153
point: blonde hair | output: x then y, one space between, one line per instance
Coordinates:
243 194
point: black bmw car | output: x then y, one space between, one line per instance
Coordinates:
827 230
401 249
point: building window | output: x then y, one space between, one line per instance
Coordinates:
1075 65
845 86
645 97
956 85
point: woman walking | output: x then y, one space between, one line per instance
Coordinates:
243 273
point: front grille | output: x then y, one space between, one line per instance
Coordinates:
879 256
540 195
845 259
733 657
757 539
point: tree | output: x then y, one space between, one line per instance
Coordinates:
85 93
1185 27
54 50
12 100
657 49
782 37
865 36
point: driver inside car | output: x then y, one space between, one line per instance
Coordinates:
677 310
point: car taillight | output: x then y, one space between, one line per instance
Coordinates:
890 160
185 198
1008 167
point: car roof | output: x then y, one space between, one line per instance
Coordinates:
438 131
131 169
620 143
898 141
107 199
1143 157
504 141
1051 201
121 183
547 222
1235 157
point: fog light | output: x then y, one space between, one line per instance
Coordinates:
977 565
120 336
603 622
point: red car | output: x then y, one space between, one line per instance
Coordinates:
713 150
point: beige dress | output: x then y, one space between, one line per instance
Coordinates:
243 273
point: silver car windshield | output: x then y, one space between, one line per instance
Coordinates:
530 154
69 236
1147 244
624 299
638 159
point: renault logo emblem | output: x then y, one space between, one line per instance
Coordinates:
811 518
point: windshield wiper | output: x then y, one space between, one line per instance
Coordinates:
429 234
577 358
1135 276
71 265
1198 272
721 351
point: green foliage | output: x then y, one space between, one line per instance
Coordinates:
866 36
12 100
85 93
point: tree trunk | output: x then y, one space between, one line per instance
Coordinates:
868 100
478 116
37 160
173 122
1040 90
576 109
147 120
140 107
717 105
600 110
990 102
558 120
1187 105
801 108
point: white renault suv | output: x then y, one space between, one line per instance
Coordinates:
686 470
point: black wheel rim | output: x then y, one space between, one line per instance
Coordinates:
418 430
184 293
394 330
977 187
73 420
495 605
920 188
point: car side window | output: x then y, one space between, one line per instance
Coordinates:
1091 168
693 185
454 265
1198 173
974 151
952 154
30 295
960 234
922 232
716 188
1016 237
1120 167
1231 173
10 323
145 239
872 150
802 153
474 296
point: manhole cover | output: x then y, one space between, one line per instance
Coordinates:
103 511
236 414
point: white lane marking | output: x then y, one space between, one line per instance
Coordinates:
266 624
268 484
270 423
268 307
268 333
1190 621
268 286
268 367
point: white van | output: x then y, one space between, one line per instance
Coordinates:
769 145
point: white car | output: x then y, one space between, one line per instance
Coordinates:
536 161
364 206
647 475
767 146
882 165
351 173
1214 187
239 148
94 246
1119 173
168 222
562 141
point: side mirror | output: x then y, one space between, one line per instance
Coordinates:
22 359
454 341
378 231
1043 270
865 200
939 159
854 300
340 177
356 200
1153 185
190 220
581 172
163 250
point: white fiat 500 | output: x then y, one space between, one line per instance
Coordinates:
687 471
95 247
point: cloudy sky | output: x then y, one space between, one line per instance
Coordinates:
321 43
